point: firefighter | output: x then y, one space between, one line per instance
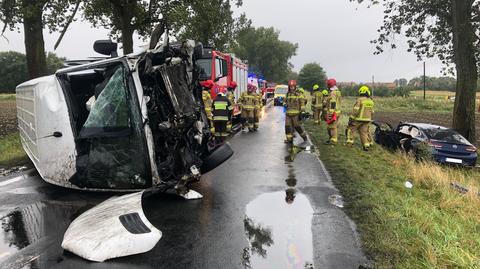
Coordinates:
317 104
258 109
207 100
325 94
222 115
361 118
247 102
231 97
295 105
332 117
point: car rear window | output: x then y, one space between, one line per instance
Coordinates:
446 135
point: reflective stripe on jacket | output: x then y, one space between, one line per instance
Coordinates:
295 103
334 100
317 99
221 109
248 101
363 109
207 100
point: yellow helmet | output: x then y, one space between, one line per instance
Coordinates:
364 90
325 92
301 90
316 87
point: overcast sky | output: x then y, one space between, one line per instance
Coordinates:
334 33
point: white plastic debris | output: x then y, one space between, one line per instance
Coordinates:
336 200
408 184
115 228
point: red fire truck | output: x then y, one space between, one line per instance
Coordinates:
223 68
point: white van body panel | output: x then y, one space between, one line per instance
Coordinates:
42 110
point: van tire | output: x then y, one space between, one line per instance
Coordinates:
216 158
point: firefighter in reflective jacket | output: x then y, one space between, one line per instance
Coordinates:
258 109
207 100
361 118
317 104
248 102
295 105
222 115
231 97
332 117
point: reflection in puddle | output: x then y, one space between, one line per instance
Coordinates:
25 226
278 228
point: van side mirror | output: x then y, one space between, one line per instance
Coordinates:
106 47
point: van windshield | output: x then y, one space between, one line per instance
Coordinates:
281 90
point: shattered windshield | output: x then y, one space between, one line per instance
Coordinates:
446 135
109 113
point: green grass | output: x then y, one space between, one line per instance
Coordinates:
398 104
7 96
429 226
11 151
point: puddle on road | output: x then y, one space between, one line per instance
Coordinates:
279 230
25 226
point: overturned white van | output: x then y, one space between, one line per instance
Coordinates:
121 123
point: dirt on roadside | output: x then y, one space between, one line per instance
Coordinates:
443 119
8 117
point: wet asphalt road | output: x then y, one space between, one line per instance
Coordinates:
260 210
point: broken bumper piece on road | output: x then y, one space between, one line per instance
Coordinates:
115 228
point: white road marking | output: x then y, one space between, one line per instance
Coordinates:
12 180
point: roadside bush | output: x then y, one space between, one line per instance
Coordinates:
378 91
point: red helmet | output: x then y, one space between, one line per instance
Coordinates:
292 83
222 91
233 85
331 82
207 84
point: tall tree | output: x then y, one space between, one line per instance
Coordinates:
13 68
123 18
447 29
210 22
311 74
265 52
35 15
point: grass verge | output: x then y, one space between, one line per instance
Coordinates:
11 151
7 96
428 226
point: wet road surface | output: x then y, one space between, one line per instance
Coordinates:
264 208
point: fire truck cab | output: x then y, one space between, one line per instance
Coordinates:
223 68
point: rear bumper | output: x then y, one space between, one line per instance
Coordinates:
468 160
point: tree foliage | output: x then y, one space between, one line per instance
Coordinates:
210 22
311 74
13 68
447 29
34 16
433 83
267 55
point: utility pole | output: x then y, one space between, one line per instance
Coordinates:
424 81
373 83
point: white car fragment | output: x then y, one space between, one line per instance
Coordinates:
115 228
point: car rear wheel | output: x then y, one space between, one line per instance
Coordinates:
216 158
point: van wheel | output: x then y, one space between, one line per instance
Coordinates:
216 158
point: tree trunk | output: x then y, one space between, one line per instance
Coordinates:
466 67
127 38
33 33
